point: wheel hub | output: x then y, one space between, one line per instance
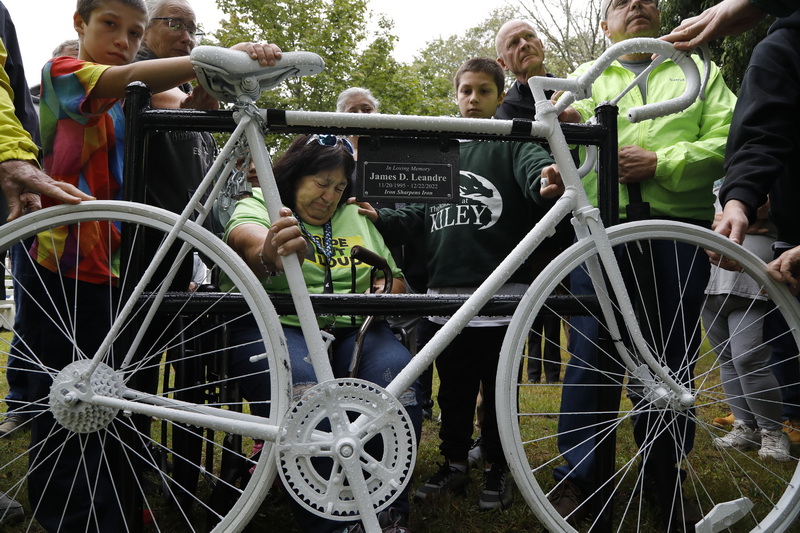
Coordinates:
68 393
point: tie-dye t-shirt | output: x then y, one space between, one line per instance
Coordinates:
83 144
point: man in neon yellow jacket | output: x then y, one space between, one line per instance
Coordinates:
667 167
676 158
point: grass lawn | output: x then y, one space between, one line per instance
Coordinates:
447 513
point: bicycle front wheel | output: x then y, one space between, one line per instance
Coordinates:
612 449
77 464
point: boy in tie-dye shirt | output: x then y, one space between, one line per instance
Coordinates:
70 484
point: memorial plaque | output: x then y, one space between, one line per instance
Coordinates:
407 170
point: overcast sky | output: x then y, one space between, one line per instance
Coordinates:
43 24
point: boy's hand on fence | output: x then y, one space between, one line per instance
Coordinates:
551 185
266 53
365 209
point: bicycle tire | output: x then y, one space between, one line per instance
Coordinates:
533 420
158 458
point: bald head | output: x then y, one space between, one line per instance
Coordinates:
519 50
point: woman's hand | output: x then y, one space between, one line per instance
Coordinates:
284 238
263 249
200 99
398 286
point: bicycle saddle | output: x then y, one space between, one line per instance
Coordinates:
227 74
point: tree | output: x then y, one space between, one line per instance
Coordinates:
437 63
570 30
334 29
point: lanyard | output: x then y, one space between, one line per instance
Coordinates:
326 251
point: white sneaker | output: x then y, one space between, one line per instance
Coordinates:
774 445
741 437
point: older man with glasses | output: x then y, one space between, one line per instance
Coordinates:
667 168
176 160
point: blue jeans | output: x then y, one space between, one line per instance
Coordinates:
383 357
24 275
679 295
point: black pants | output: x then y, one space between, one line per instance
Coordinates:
467 363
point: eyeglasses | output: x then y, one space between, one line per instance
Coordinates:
179 25
331 141
623 4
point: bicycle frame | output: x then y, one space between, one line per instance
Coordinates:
252 124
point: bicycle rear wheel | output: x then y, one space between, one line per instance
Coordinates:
94 467
626 459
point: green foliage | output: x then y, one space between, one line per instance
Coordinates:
570 30
334 29
731 54
437 63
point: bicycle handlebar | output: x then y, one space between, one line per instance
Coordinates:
581 86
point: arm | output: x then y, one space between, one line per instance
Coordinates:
177 99
263 248
691 145
399 226
530 161
762 148
167 73
20 177
730 17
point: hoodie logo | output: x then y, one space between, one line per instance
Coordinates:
480 205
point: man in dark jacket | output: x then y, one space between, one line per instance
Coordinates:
520 52
762 159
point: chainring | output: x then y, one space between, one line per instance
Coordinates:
325 458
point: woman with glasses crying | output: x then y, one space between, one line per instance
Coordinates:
314 181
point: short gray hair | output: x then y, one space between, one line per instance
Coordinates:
156 7
69 43
347 94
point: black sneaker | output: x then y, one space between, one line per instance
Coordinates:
678 512
10 510
475 454
498 489
393 521
448 478
569 501
355 528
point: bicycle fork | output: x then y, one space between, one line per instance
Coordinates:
659 386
